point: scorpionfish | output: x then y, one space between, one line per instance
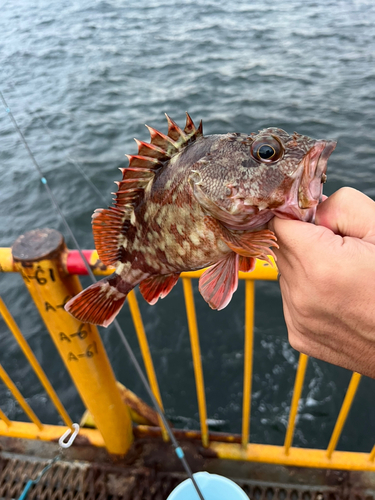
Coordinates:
188 201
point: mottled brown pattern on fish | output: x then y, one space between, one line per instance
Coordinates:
173 236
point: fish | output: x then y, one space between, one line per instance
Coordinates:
188 201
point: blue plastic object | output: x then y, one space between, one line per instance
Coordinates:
212 486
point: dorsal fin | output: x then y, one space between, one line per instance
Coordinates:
110 225
150 158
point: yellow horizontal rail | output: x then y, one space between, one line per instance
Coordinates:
262 271
26 430
299 457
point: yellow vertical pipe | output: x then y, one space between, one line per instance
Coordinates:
348 400
298 384
12 325
197 360
16 393
146 355
248 359
5 419
6 260
39 256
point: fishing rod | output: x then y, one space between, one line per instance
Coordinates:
177 448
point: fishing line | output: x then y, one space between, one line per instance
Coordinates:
75 162
67 156
177 448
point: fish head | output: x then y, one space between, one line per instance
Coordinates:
247 179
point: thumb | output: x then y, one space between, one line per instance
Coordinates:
348 212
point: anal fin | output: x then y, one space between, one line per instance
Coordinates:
219 282
157 287
246 264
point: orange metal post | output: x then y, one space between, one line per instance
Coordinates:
39 255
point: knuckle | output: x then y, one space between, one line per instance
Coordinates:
297 341
344 194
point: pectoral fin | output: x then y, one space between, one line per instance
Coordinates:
219 282
248 244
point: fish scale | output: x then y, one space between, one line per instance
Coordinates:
188 201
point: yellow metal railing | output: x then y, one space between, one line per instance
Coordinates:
243 450
298 384
145 350
7 317
248 360
196 352
39 258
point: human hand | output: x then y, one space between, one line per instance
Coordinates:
327 277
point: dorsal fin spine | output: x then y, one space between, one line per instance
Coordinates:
134 172
150 149
200 129
174 131
143 161
189 127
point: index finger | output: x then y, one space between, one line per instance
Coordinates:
301 241
348 212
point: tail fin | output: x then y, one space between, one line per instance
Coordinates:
99 303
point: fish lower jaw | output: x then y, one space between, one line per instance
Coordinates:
295 212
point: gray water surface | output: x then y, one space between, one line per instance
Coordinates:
82 78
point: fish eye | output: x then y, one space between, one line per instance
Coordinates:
267 149
266 152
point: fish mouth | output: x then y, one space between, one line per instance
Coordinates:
307 189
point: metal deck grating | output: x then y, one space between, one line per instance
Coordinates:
77 480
